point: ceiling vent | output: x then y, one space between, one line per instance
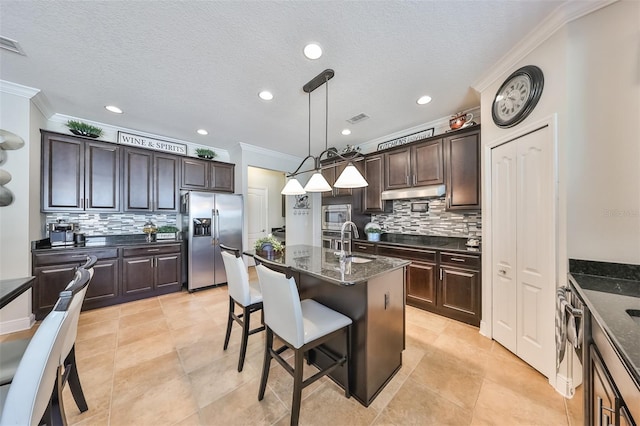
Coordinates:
11 45
358 118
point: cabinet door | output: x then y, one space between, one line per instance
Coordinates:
166 188
195 174
138 180
421 285
603 397
62 173
460 294
104 284
329 173
102 176
427 164
374 174
222 177
338 169
50 281
462 155
137 275
397 166
167 271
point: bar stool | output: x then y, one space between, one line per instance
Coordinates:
301 325
242 293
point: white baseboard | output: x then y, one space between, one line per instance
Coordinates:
19 324
564 386
485 330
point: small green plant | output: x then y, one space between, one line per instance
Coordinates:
167 229
205 153
268 240
373 231
84 129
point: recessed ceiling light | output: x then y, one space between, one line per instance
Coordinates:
424 100
312 51
202 132
265 95
114 109
346 132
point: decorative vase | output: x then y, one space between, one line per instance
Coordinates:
373 236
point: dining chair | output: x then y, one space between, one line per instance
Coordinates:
36 389
301 325
13 350
243 293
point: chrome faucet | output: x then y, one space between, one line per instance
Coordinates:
343 255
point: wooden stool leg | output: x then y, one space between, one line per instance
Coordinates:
246 319
74 380
297 387
229 323
266 365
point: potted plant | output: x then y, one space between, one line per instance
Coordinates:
167 232
83 129
268 246
205 153
373 234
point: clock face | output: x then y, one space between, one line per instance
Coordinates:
517 96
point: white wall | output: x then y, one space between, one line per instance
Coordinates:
273 182
603 125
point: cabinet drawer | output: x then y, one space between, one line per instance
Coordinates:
461 260
363 247
79 256
150 250
407 253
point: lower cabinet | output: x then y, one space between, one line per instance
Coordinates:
145 271
154 270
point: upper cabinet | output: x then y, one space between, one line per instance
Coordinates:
207 175
331 171
150 181
416 165
462 159
372 194
79 174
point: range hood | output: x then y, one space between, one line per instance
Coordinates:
432 191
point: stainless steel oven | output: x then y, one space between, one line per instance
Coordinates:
331 240
334 216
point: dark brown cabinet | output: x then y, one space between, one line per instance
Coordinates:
154 269
331 171
460 287
79 174
207 175
415 165
372 194
150 181
53 271
462 159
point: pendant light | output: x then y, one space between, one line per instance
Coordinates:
350 176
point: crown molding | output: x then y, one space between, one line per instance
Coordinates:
42 103
560 17
245 147
18 89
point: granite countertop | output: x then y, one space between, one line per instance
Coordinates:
325 264
427 241
609 291
98 241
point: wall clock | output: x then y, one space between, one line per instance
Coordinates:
517 96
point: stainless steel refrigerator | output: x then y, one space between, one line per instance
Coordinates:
209 219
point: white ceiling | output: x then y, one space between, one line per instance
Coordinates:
175 67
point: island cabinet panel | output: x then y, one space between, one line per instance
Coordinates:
376 308
206 175
79 174
54 271
462 157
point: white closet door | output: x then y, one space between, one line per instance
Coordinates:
503 226
523 240
535 238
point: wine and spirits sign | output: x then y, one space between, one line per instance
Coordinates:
406 139
151 143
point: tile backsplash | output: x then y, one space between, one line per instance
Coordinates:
436 221
111 224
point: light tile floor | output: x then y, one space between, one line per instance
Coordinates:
160 361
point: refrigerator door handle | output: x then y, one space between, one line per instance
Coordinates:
214 225
217 226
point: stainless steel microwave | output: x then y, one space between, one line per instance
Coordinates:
335 215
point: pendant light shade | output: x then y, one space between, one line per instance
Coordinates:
317 183
292 187
350 178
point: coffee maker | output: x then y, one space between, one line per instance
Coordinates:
61 233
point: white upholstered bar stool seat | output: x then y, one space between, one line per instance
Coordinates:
302 326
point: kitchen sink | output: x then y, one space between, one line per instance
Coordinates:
635 315
358 259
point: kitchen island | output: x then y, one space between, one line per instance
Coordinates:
371 291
